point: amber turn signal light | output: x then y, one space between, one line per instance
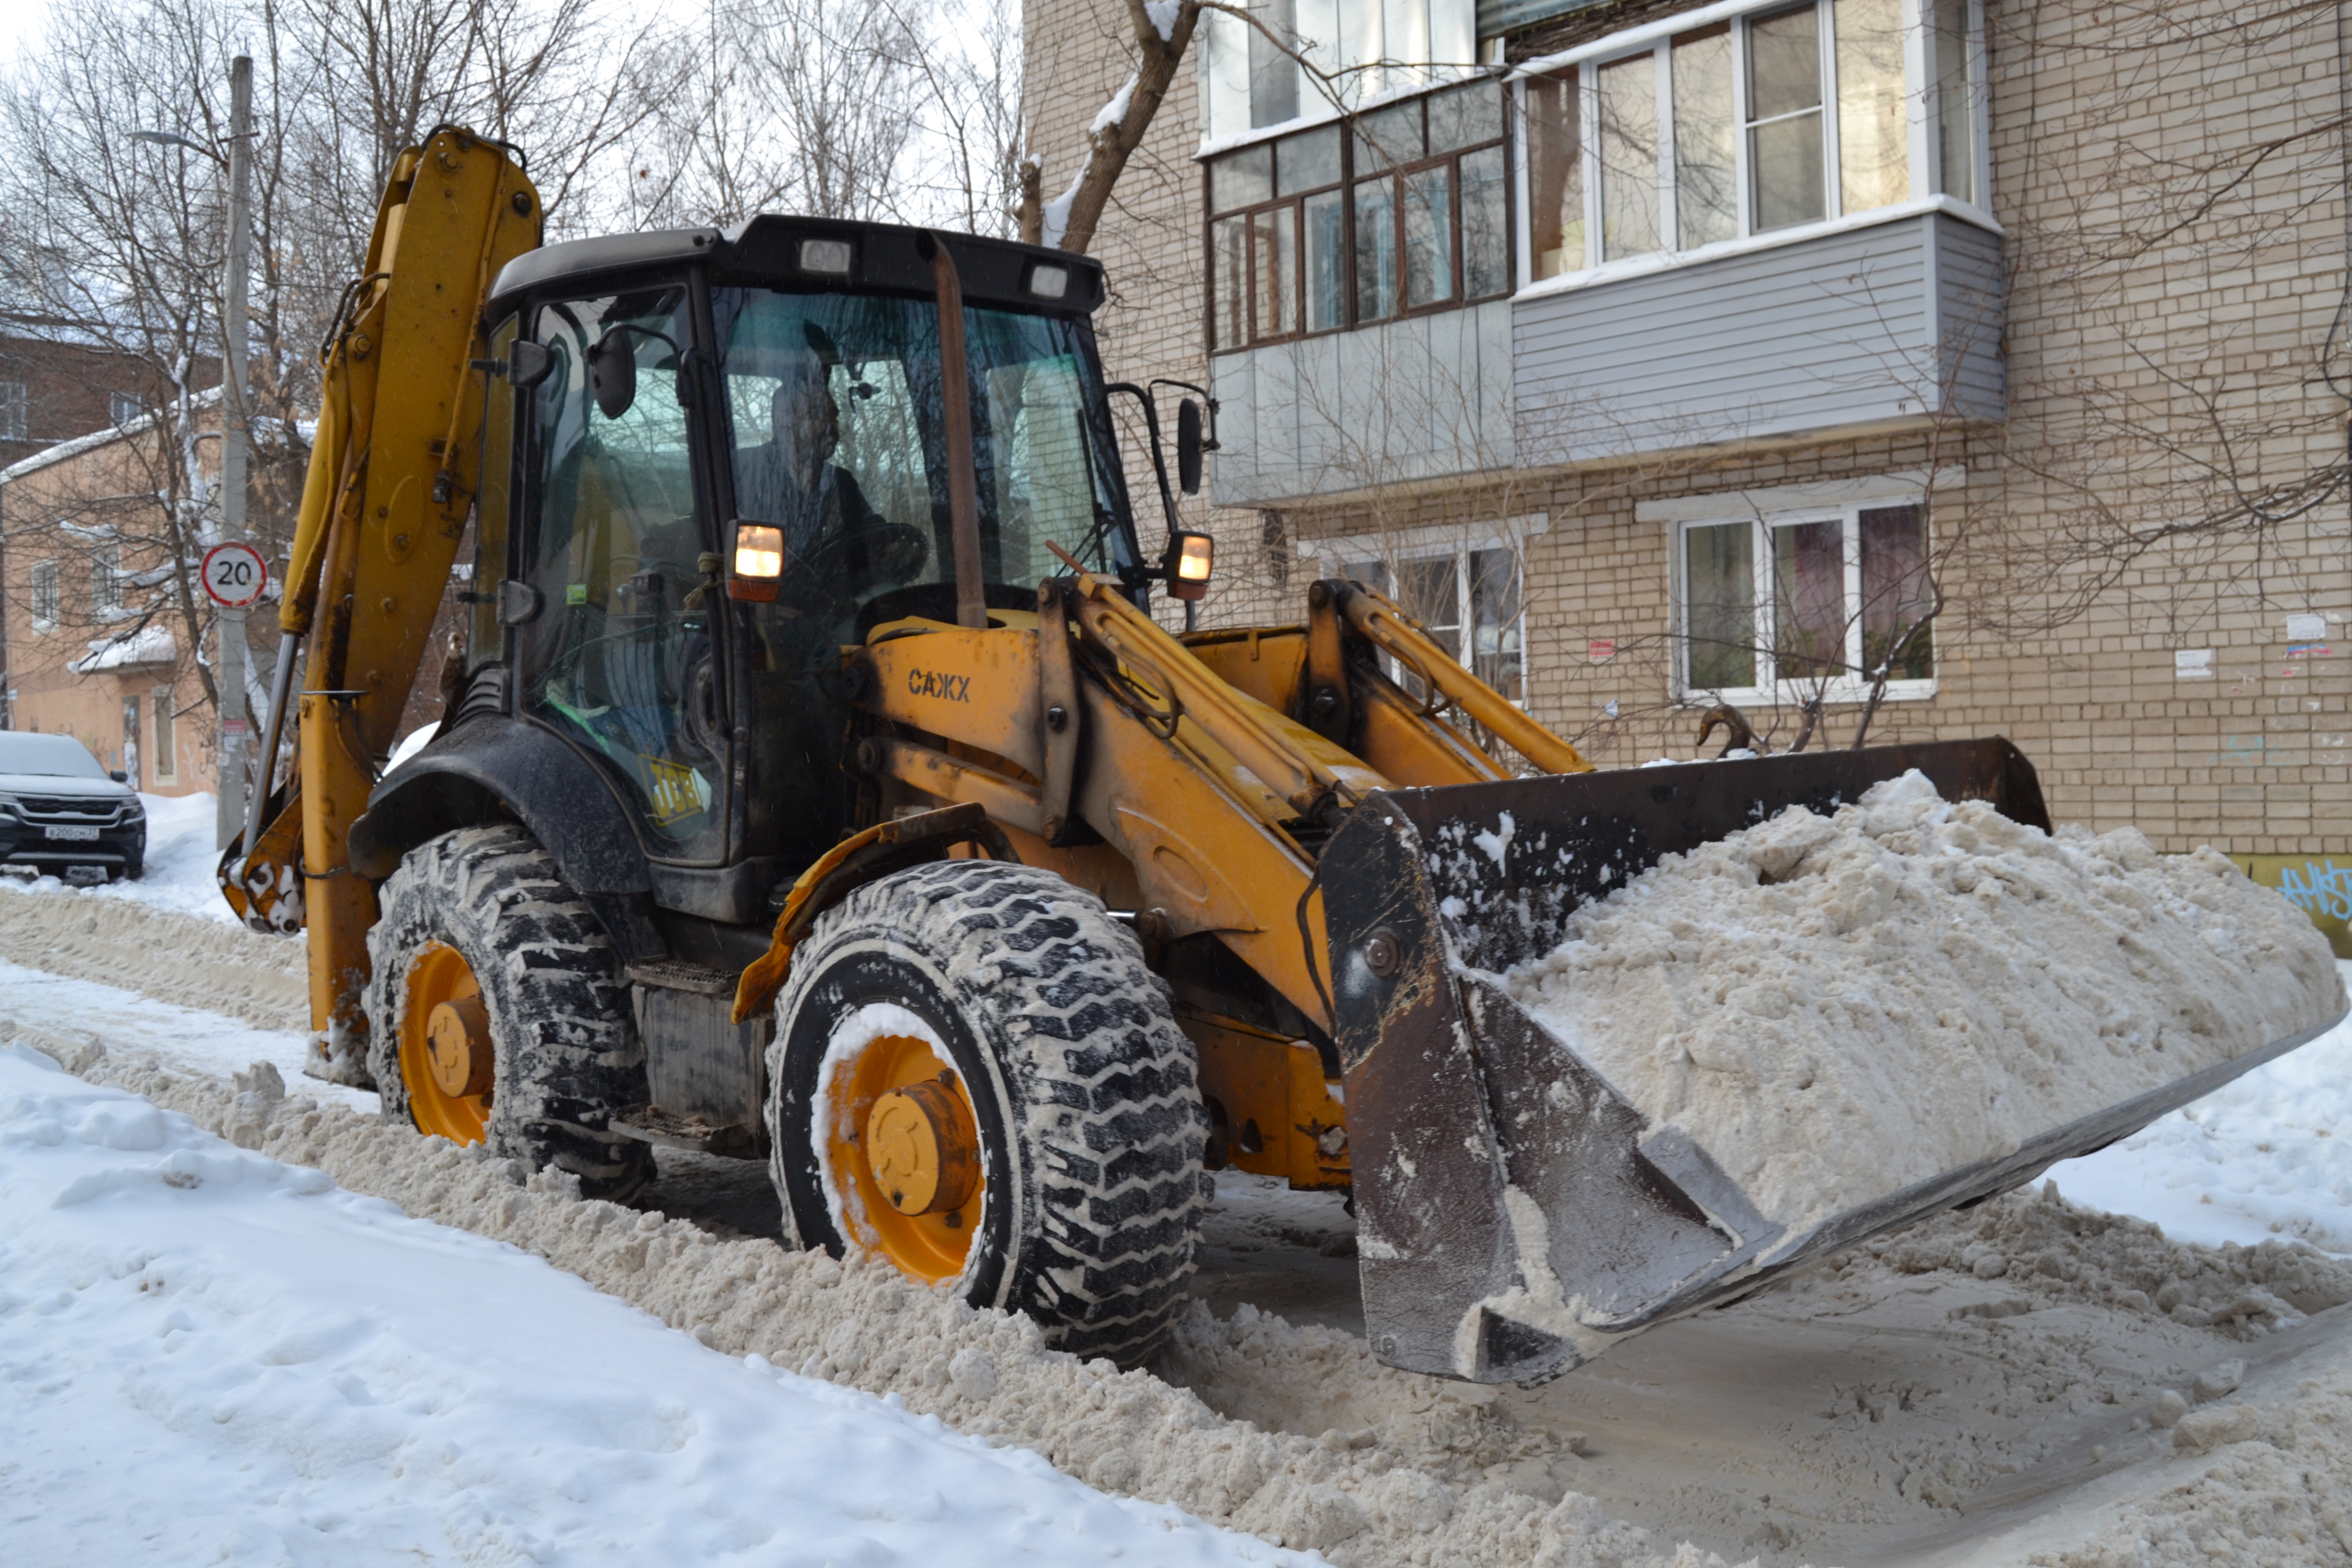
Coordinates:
756 563
1189 558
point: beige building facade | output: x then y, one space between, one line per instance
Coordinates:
1907 369
98 640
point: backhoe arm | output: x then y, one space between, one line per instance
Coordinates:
394 466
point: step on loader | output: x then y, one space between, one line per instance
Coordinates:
814 786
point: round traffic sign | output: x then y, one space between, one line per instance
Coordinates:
234 575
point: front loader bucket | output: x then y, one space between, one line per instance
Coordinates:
1516 1214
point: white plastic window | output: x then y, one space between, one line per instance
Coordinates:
1786 607
1778 120
1451 588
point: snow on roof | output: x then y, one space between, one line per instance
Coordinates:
148 645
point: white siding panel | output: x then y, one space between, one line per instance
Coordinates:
1826 332
1970 319
1408 400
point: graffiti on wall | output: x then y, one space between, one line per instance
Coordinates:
2317 884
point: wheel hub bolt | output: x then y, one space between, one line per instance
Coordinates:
457 1040
922 1148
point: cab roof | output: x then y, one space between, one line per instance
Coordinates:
773 250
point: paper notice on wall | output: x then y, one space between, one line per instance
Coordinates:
2192 664
2306 636
1601 650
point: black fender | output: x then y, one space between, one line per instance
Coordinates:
492 768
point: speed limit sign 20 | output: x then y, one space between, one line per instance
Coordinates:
234 575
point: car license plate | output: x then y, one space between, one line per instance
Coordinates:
71 834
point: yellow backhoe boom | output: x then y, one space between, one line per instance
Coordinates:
394 469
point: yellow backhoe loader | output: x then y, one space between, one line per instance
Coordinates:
815 787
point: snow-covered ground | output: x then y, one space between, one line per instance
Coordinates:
2267 1157
334 1389
109 1014
208 1356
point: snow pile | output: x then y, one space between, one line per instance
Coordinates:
297 1374
186 958
1924 1371
1253 1367
64 1016
2041 1251
1837 1007
181 856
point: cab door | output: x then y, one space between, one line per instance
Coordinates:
619 647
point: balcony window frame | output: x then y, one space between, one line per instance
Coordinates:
1656 40
1350 317
1769 689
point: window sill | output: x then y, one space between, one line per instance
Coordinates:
1838 693
1675 260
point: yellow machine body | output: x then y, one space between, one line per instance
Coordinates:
394 466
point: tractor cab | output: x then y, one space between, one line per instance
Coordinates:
729 459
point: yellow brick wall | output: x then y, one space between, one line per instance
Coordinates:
2162 355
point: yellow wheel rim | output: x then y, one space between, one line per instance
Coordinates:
444 1047
900 1135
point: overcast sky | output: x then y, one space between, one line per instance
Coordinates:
19 18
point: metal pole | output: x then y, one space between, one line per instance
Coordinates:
228 672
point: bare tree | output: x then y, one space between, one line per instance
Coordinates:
113 232
116 241
808 106
976 115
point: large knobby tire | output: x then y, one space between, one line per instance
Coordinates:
565 1046
1084 1093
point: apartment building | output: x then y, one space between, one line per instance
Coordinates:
97 635
1913 369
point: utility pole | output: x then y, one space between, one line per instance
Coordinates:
228 671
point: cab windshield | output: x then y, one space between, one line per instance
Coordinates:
837 436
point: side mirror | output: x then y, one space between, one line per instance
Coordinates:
118 776
755 563
528 363
1188 446
613 372
1190 559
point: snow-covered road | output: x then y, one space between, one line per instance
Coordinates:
137 1437
208 1356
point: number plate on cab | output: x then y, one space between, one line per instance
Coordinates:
72 835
